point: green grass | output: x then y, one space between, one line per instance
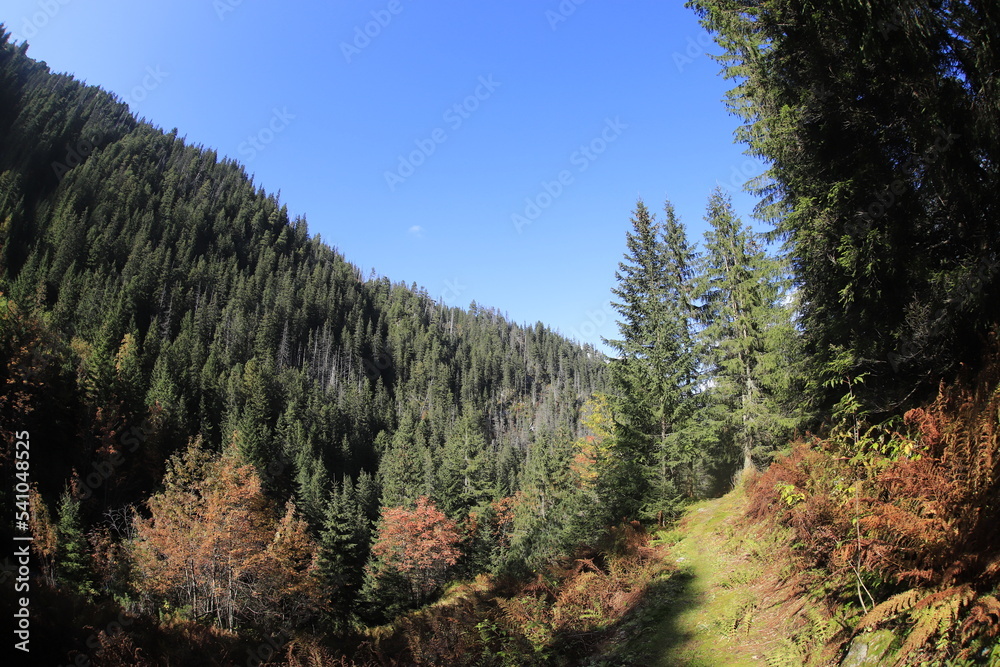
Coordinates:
726 600
715 609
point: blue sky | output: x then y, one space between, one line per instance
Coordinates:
489 151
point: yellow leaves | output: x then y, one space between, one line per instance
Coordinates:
42 529
584 463
934 613
591 451
126 357
597 417
890 609
81 348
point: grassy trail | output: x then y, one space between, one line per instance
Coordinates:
711 624
726 600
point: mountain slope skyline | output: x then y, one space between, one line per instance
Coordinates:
324 128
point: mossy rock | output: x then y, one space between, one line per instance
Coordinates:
870 650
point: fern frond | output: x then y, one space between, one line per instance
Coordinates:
890 609
936 614
958 596
983 617
927 625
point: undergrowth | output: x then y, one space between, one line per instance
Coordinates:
559 617
903 518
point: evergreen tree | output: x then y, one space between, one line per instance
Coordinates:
883 176
655 372
463 474
169 284
72 556
343 549
746 327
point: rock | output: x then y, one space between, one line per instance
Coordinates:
870 650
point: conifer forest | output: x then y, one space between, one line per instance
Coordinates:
226 444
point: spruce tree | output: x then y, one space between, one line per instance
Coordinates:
882 177
343 548
73 570
746 333
655 371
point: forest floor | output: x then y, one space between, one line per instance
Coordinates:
733 598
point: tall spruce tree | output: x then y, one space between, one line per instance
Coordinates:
679 457
883 175
747 335
343 549
73 571
654 373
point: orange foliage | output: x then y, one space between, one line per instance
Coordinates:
421 544
214 543
46 542
920 510
564 612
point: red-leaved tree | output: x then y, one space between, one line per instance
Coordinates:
419 544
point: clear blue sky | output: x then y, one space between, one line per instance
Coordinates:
361 135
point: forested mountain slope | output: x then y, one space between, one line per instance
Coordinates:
240 446
152 296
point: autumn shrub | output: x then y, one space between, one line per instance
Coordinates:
214 546
905 515
413 554
562 611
